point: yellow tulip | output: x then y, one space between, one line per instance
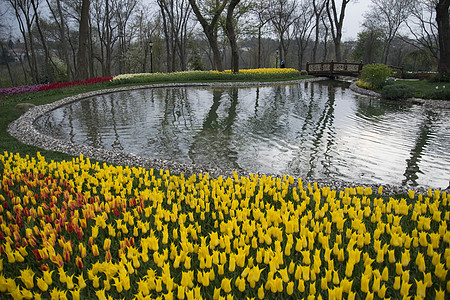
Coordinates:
397 282
261 292
226 285
427 279
440 271
42 285
440 295
365 283
404 289
382 291
290 288
75 294
27 278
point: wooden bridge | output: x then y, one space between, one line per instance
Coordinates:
332 69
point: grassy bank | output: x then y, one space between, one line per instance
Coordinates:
427 90
423 89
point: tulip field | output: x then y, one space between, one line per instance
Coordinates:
83 230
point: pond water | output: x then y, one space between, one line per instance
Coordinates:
317 130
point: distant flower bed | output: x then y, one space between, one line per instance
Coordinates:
263 74
261 71
50 86
144 78
82 230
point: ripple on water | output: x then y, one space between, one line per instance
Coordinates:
319 130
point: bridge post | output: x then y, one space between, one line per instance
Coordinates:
332 67
360 67
345 65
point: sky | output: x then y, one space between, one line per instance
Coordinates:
353 18
352 23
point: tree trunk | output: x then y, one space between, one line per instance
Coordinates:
108 40
259 47
209 29
62 33
34 64
336 23
48 67
232 36
317 13
83 44
5 57
442 19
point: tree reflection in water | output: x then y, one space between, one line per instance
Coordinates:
318 130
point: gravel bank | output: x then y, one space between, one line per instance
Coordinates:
25 132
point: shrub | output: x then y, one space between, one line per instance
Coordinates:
363 84
410 75
440 94
440 78
375 75
397 92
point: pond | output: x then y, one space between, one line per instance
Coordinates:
310 130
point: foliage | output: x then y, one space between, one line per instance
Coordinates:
375 74
369 46
195 62
445 77
397 92
410 75
91 230
427 90
364 85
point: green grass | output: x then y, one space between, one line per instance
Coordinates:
422 88
428 90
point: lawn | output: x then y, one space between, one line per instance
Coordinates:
427 90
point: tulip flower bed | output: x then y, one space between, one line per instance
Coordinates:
81 230
50 86
263 74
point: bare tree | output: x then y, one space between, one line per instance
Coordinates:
123 10
423 27
47 58
232 36
442 19
60 21
303 27
25 17
336 18
282 16
83 42
210 28
175 16
387 16
318 9
260 10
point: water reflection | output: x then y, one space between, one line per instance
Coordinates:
319 130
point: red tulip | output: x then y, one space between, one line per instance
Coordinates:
44 267
79 262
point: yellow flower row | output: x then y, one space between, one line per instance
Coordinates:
261 71
84 230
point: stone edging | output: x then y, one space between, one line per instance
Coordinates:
24 131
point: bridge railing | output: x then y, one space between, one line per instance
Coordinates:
343 68
334 68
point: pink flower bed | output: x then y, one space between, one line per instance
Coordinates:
50 86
